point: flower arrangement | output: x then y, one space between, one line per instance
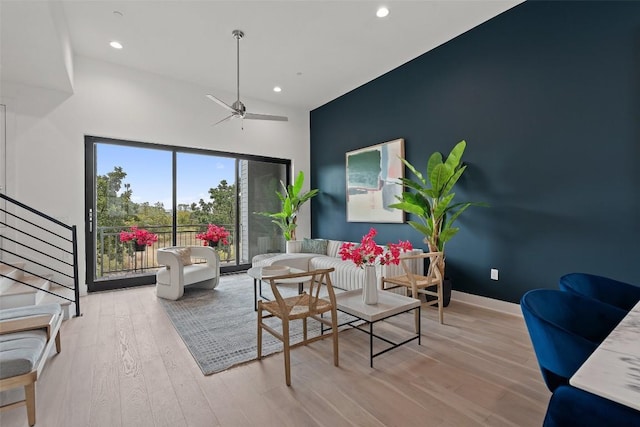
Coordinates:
139 236
369 253
215 234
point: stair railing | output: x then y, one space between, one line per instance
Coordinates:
40 246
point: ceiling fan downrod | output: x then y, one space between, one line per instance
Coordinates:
238 34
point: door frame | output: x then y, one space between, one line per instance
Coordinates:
90 162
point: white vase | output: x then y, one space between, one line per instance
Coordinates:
370 286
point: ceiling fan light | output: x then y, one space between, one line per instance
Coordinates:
116 44
382 12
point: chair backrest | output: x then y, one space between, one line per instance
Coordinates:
570 407
432 272
565 329
315 279
614 292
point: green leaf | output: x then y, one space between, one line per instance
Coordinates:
421 228
455 157
434 160
443 205
439 176
408 207
452 181
446 235
414 171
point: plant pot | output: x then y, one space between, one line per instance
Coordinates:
212 243
447 285
139 247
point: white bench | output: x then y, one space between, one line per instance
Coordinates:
181 271
27 335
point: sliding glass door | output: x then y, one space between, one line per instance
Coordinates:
141 197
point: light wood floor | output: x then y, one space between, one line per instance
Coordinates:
123 364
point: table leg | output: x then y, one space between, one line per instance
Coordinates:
371 344
255 295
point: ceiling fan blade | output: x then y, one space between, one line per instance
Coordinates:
254 116
221 103
224 120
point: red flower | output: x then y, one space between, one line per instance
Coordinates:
369 253
214 233
139 235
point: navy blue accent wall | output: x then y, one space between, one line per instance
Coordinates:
547 96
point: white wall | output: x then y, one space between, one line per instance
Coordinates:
46 129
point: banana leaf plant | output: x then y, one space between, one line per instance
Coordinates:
431 200
291 199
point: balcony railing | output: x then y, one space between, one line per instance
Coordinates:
115 258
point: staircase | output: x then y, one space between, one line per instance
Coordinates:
38 259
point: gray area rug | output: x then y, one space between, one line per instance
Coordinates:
219 326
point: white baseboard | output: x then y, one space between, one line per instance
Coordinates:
485 302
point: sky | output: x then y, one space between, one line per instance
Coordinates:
149 173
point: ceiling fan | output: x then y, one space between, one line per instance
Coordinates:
238 109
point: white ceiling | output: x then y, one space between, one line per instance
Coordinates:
315 50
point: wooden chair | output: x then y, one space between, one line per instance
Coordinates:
428 284
302 306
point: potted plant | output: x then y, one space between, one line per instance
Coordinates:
432 200
214 235
291 199
140 237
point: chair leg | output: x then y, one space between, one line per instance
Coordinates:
334 327
304 330
259 330
30 399
441 303
287 353
58 347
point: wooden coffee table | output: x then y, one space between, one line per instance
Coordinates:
389 305
258 278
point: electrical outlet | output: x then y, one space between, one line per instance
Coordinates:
494 274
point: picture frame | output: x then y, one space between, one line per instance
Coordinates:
373 180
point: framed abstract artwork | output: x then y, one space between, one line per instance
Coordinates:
373 174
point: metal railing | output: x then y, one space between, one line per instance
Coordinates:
39 246
115 258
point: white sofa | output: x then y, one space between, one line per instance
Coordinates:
180 270
347 275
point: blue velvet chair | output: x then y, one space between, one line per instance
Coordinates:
620 294
571 407
565 328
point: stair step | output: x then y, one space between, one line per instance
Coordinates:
19 294
12 273
67 306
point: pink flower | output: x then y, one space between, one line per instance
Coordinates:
214 233
139 235
369 253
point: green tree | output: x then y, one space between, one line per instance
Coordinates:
113 209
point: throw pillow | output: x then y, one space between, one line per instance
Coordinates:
333 247
314 246
184 254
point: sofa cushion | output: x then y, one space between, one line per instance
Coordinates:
193 273
333 247
20 352
347 275
314 246
183 253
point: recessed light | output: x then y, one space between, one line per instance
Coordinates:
382 12
277 89
116 45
